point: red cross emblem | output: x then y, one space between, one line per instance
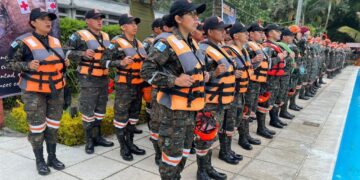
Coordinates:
53 6
24 5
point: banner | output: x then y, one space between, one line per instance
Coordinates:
14 21
228 13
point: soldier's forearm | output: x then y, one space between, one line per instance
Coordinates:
17 66
74 55
275 60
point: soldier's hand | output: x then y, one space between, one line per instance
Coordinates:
294 65
67 62
34 64
258 58
221 68
127 60
89 53
292 55
207 76
184 80
281 55
238 73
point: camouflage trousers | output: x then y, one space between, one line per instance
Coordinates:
176 134
203 147
251 96
284 89
273 86
92 105
154 123
43 113
233 115
127 105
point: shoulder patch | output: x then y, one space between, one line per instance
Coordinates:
73 37
111 46
160 46
14 44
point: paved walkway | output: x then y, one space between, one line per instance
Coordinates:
306 149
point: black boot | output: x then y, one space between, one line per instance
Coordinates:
250 139
41 166
52 160
157 151
125 152
277 109
211 170
89 146
201 173
274 120
98 139
321 80
308 92
243 142
293 105
284 112
270 131
261 129
137 131
224 153
228 144
302 94
130 141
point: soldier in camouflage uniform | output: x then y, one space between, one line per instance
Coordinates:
86 48
304 67
154 123
287 38
276 71
128 96
295 79
39 54
172 74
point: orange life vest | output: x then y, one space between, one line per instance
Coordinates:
92 67
260 72
131 73
276 69
49 76
243 63
184 98
220 90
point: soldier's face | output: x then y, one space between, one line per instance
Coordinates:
130 28
95 23
217 35
256 35
188 21
157 30
198 35
42 25
243 37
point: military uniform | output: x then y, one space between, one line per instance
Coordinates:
42 89
295 78
177 122
93 79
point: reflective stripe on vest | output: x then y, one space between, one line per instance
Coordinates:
246 69
276 69
180 98
93 67
220 90
49 76
130 74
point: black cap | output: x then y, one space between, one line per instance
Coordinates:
39 13
127 19
255 27
93 14
167 20
215 22
236 28
286 32
271 27
200 27
183 6
157 23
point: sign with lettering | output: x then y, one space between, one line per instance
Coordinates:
14 21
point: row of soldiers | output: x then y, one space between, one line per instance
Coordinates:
200 82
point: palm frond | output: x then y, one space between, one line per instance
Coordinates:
353 33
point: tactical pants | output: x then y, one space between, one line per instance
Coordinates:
154 123
251 96
202 147
92 104
284 89
233 115
175 139
127 105
43 113
273 86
